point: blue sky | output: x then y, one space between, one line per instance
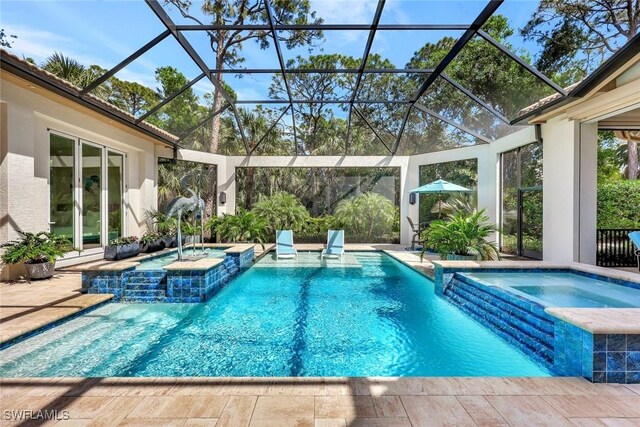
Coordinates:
105 32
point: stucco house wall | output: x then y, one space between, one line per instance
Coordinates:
27 115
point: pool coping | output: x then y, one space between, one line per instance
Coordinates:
593 320
93 301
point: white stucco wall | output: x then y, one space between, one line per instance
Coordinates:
27 115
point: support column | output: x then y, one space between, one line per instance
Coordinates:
226 182
569 191
409 178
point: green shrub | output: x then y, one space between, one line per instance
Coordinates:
462 234
367 216
34 248
242 227
282 211
619 204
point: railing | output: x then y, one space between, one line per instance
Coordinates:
614 249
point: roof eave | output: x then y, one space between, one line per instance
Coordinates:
617 60
17 68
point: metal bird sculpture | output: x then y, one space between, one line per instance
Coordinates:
181 205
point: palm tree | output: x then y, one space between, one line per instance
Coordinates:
67 69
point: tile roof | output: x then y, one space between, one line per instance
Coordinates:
72 89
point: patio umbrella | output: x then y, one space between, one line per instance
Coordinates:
438 187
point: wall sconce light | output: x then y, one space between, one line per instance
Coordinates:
223 198
412 198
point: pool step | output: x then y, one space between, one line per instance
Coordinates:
145 286
518 322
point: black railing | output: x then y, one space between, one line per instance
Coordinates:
615 249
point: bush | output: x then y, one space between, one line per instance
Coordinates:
282 211
619 204
242 227
367 217
35 248
462 234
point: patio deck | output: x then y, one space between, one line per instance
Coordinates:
326 401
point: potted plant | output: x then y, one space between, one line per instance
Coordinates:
121 248
461 237
38 251
151 242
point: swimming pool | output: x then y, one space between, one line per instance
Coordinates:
562 289
379 320
157 262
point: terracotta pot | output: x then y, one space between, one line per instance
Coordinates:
117 252
40 270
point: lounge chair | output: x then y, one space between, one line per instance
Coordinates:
335 244
634 236
284 245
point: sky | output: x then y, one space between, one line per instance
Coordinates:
105 32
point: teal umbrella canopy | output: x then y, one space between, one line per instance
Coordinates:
440 186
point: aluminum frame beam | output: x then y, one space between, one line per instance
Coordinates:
363 64
273 125
135 55
469 94
480 20
452 123
195 57
372 129
170 98
522 63
203 121
318 101
283 69
325 71
322 27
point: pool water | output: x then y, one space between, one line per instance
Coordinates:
156 263
563 289
379 320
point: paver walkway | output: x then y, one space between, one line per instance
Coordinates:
319 402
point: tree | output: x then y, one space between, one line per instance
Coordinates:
132 97
581 34
227 44
257 127
68 69
581 31
5 39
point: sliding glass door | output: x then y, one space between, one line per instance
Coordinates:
115 194
86 186
62 160
91 190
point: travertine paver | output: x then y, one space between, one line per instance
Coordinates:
326 401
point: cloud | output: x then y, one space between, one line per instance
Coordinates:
40 44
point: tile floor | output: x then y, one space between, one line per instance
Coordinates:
324 401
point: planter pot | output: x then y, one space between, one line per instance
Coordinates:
114 253
171 241
156 245
41 270
454 257
192 239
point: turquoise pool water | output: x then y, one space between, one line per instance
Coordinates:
382 319
563 289
156 263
